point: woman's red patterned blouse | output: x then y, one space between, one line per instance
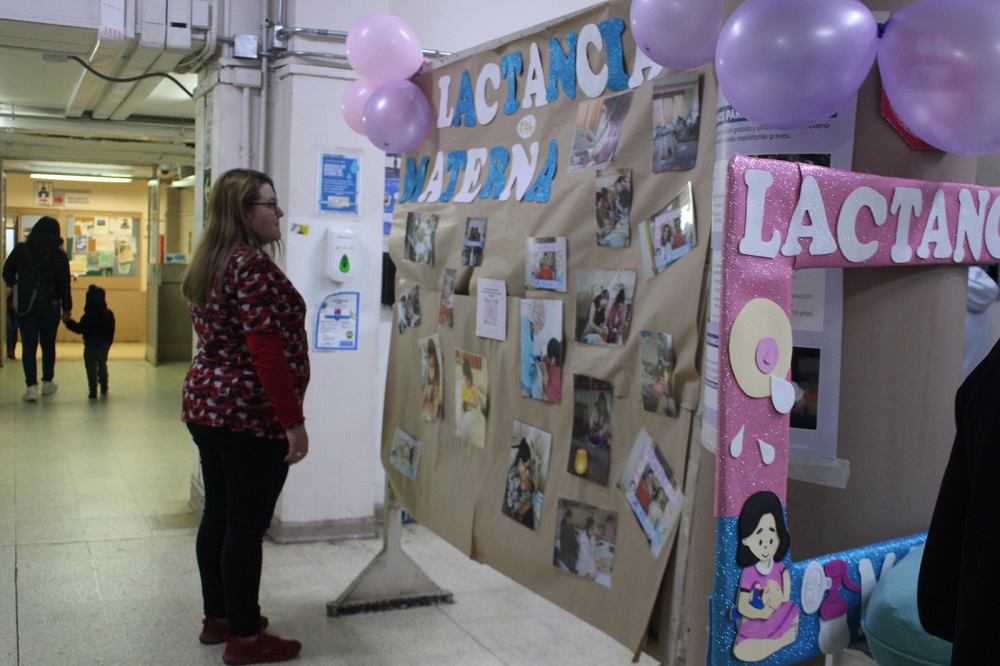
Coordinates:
222 388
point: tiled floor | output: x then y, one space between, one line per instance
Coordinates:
97 551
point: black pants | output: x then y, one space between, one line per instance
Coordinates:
39 326
243 476
95 360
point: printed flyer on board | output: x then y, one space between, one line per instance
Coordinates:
817 294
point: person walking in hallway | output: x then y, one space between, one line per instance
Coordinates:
38 271
97 326
242 402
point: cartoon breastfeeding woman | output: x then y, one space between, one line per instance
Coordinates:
769 619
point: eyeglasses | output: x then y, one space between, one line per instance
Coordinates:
272 204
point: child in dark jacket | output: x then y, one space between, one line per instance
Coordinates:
97 326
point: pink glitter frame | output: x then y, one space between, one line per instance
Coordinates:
948 207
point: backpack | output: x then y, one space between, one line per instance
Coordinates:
32 289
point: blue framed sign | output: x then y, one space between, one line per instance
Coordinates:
339 178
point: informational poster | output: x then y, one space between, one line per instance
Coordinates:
491 314
339 176
337 322
817 293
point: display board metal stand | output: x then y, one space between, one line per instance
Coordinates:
392 580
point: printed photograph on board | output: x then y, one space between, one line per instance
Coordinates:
541 349
651 491
431 383
545 263
669 234
676 122
604 306
418 244
471 398
656 373
474 241
590 446
405 453
598 128
446 310
613 202
526 474
408 309
585 541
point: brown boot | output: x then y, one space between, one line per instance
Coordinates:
215 631
264 649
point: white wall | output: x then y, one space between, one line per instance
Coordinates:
341 481
456 25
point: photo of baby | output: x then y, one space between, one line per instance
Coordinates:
471 398
604 306
541 349
405 454
474 241
656 373
613 206
652 491
598 128
593 428
526 473
545 263
418 244
408 309
669 234
431 385
585 541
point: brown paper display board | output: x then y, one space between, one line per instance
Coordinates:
560 214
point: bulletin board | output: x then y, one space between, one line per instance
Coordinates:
541 174
104 244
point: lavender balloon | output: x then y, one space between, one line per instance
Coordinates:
352 105
397 116
940 67
793 63
382 47
677 33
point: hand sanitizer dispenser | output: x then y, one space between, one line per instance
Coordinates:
341 254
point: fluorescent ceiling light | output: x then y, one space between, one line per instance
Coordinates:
81 179
186 181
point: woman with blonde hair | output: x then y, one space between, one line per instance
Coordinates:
242 402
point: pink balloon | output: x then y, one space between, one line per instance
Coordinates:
678 34
793 63
353 103
940 67
397 116
382 47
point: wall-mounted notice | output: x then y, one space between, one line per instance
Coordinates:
338 183
337 322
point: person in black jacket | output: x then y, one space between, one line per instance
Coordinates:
956 591
40 255
97 326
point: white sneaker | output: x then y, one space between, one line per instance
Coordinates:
31 395
48 388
